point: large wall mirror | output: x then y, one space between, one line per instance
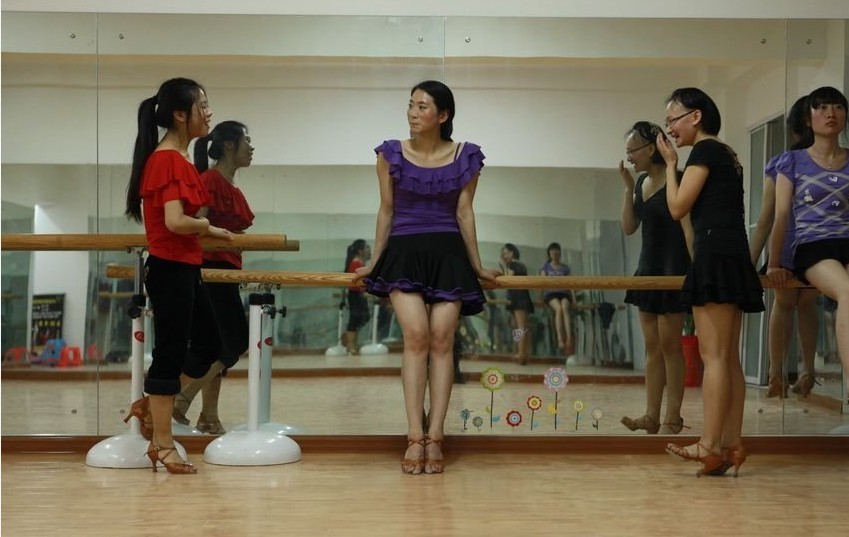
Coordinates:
549 101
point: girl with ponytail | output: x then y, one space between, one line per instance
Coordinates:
358 315
165 192
229 145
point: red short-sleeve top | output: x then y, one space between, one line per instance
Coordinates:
228 209
352 267
169 176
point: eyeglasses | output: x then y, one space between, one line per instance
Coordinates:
630 152
671 121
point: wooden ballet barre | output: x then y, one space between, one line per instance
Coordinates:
17 242
343 279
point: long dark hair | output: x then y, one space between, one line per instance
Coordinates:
353 249
648 131
211 146
512 248
174 95
798 126
696 99
444 101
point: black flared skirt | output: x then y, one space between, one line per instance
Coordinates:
434 265
723 278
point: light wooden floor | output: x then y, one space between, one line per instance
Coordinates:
486 495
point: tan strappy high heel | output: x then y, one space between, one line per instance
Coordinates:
434 466
141 410
643 422
157 454
414 466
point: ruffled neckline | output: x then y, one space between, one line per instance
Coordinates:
432 181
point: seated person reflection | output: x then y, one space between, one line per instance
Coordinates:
559 300
787 301
812 188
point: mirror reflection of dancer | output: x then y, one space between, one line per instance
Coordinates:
812 186
166 189
664 253
787 301
721 283
426 259
559 300
357 255
229 145
519 302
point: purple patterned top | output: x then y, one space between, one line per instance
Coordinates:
820 205
786 259
425 199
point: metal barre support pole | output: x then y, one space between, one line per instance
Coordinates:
128 450
253 446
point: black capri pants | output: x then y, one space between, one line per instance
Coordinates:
230 312
186 332
358 314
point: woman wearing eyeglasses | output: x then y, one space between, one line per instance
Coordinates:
721 283
664 252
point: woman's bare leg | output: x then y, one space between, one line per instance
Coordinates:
411 313
670 327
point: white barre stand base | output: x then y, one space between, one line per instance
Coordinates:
251 448
338 349
272 427
255 446
126 450
178 429
374 347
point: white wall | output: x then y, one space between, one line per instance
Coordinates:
490 8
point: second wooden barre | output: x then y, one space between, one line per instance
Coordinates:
342 279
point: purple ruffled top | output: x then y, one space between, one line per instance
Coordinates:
425 199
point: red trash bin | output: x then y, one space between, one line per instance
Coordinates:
692 360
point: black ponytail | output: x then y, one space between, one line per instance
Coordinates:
146 140
353 249
174 95
212 145
201 154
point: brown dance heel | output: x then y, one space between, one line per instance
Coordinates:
711 462
777 388
414 466
803 385
433 466
141 410
732 457
157 454
209 426
648 423
670 427
181 406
